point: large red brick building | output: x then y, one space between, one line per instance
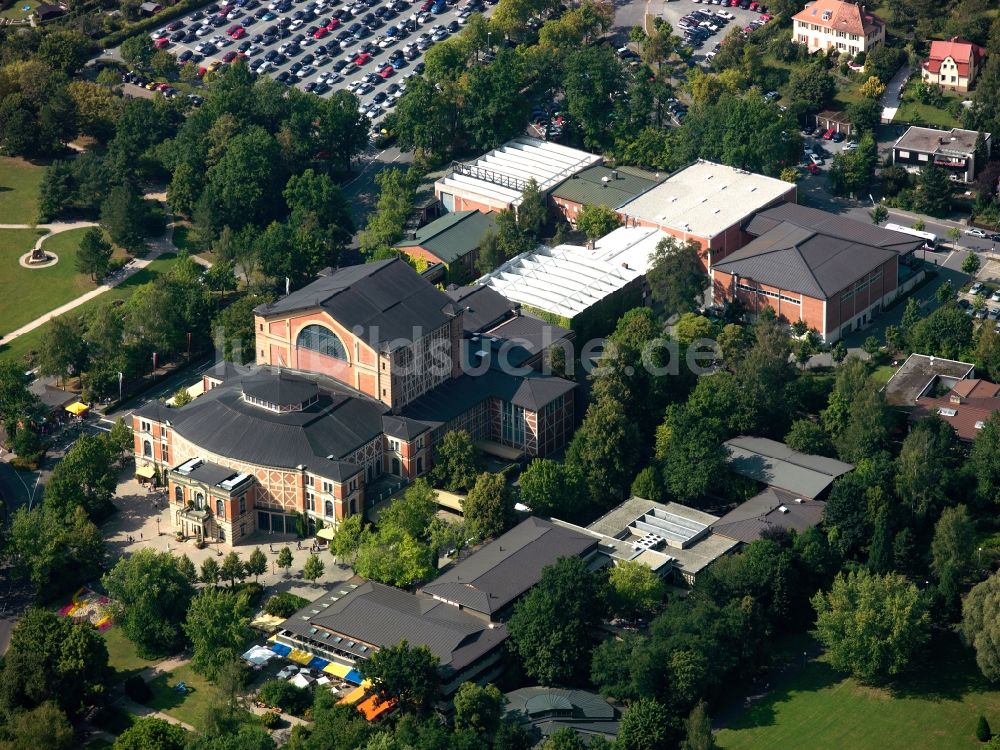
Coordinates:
358 375
834 273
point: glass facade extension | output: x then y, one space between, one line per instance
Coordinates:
319 339
512 423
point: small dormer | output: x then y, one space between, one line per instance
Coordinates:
955 399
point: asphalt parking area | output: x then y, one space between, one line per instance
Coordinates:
320 57
672 11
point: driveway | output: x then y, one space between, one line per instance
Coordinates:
894 92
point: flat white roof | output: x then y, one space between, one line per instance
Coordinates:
568 279
501 174
705 198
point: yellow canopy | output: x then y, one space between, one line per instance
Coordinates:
300 656
354 696
146 472
326 533
77 408
337 670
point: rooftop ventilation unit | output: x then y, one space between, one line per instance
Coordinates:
649 541
782 509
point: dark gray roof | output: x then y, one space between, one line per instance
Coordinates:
798 259
528 334
776 464
381 302
531 392
371 614
402 427
750 520
834 225
581 704
918 373
932 140
493 577
620 186
483 307
453 236
221 422
208 473
282 389
51 397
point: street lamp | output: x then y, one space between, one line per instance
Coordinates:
158 526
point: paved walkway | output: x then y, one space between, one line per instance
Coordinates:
148 674
893 93
157 246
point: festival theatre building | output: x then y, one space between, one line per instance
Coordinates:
357 376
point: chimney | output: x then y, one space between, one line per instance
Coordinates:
614 174
625 266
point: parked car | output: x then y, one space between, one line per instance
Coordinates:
977 288
976 233
828 135
838 137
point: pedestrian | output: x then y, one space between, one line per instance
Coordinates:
140 535
271 547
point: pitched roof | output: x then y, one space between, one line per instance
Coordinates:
494 576
452 236
365 614
838 15
962 52
382 301
482 307
775 464
771 509
600 185
966 407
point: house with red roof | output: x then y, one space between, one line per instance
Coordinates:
966 407
837 24
953 65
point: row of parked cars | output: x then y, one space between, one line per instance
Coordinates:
699 25
744 4
168 91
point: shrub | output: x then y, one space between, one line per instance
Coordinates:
284 604
284 695
983 732
270 719
137 689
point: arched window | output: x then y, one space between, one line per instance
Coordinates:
199 501
147 449
220 509
179 495
328 509
322 340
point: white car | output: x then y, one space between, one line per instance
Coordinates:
976 233
298 23
305 70
253 49
332 78
234 14
204 31
353 86
159 33
386 42
265 66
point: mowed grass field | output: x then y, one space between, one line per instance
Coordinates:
30 341
818 709
19 179
26 293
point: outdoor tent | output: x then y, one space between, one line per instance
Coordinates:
78 408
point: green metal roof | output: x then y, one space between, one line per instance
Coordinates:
623 184
452 236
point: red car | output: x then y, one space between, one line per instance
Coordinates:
828 135
362 59
753 6
387 71
232 29
812 168
161 43
321 32
332 24
229 56
239 33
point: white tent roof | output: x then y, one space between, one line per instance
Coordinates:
568 279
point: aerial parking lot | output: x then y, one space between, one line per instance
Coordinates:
368 47
705 23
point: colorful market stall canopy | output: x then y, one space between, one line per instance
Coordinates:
78 408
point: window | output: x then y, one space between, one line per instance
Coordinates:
220 509
394 445
328 487
199 501
179 495
328 509
147 448
904 154
512 423
980 424
163 451
420 442
353 485
946 412
222 534
144 426
319 339
310 501
243 529
309 481
243 504
922 157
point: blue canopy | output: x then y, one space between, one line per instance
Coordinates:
354 676
317 663
281 649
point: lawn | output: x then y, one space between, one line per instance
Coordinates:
15 11
819 710
188 708
19 181
882 373
122 656
26 293
23 345
917 113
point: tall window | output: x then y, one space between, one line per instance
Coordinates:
322 340
179 495
512 423
147 448
328 509
220 509
199 501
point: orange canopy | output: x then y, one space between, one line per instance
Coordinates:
372 709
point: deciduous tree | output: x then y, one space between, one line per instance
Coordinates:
488 508
217 625
676 277
597 220
404 673
981 626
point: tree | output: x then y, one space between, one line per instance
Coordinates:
404 673
313 568
935 191
52 659
927 469
980 626
56 191
676 277
648 725
232 568
86 477
595 221
853 171
635 590
879 214
488 507
532 212
808 436
790 174
811 87
63 351
138 51
699 730
565 738
149 598
286 696
479 709
551 488
122 216
983 732
184 189
604 451
257 563
952 549
54 550
865 115
455 459
872 626
970 264
348 537
550 627
873 88
210 572
45 726
985 461
284 560
217 625
18 405
94 254
151 733
185 566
